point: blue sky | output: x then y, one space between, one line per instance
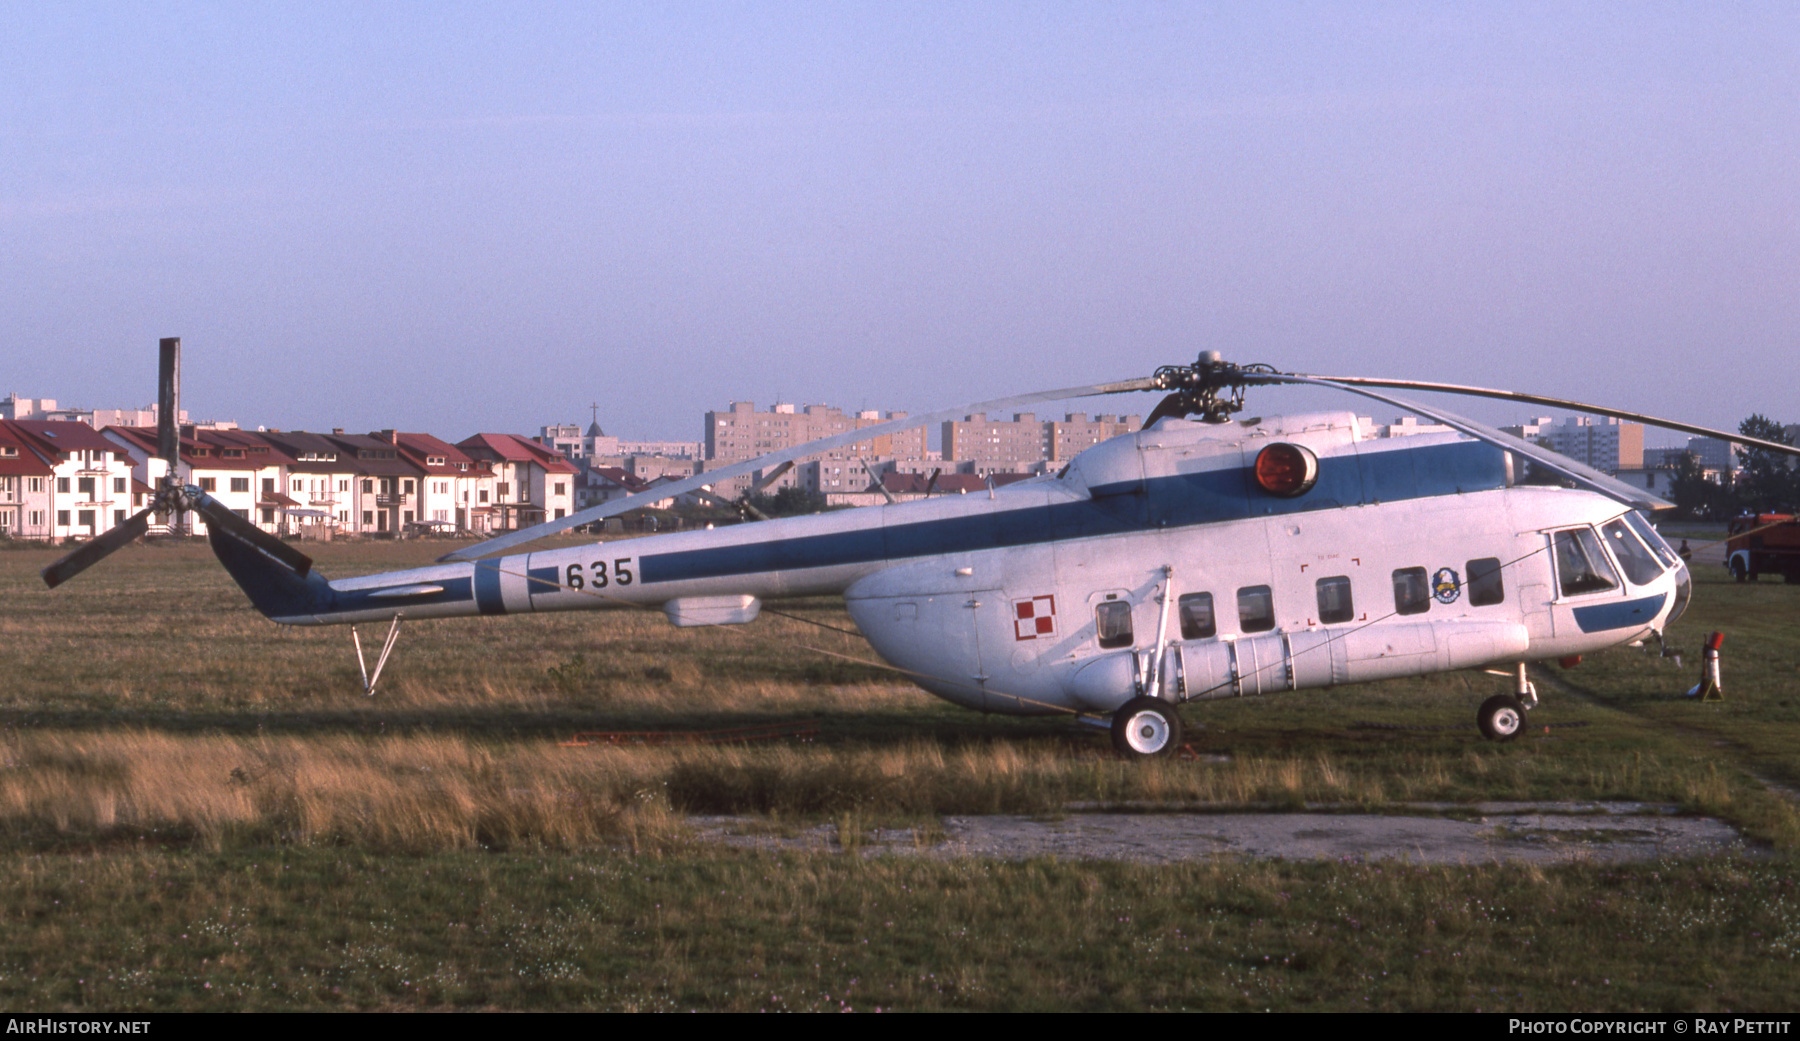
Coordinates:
454 217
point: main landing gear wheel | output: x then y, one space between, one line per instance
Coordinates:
1146 727
1501 717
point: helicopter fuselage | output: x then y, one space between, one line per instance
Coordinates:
1157 562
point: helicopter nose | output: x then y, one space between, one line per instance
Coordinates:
1684 591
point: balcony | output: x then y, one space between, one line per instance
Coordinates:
396 499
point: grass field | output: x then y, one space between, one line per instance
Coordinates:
199 809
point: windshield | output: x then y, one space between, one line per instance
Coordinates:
1652 538
1634 559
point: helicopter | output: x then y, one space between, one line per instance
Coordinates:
1204 556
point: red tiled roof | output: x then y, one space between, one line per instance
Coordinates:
515 449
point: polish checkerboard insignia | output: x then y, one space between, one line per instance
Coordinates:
1034 617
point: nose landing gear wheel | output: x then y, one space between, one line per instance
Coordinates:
1501 717
1146 727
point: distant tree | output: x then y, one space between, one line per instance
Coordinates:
1697 498
1767 481
792 501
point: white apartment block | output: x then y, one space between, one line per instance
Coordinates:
1604 443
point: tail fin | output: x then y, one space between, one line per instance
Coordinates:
277 590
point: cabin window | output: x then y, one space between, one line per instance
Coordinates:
1580 565
1112 623
1256 609
1412 594
1334 600
1639 566
1197 622
1485 587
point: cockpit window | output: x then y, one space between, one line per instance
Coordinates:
1580 565
1634 559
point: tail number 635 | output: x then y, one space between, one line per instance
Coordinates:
577 577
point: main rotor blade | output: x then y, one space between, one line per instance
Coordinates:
1539 399
824 444
97 548
168 403
218 513
1581 473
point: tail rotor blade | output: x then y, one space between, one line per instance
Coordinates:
217 513
97 549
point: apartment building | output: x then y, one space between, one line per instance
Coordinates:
1604 443
1026 444
744 433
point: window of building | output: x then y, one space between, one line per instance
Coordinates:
268 485
35 484
1112 623
268 514
503 489
483 495
1334 600
1256 609
62 518
368 518
1196 611
406 486
368 487
209 484
118 517
240 484
84 518
561 489
120 485
1412 593
85 486
1485 586
62 486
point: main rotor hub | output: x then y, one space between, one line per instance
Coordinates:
1211 388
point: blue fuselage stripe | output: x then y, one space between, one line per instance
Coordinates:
1207 497
1598 618
487 587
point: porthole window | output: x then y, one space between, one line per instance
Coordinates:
1334 600
1412 593
1256 609
1112 623
1197 622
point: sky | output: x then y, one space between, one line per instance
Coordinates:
459 217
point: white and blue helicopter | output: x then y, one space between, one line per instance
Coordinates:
1198 558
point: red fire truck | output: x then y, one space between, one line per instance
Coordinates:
1750 552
